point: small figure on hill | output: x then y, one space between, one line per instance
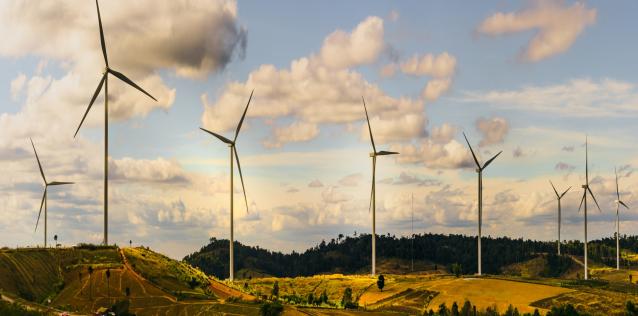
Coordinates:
55 237
108 276
130 244
381 282
275 290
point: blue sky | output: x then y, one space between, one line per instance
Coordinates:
530 78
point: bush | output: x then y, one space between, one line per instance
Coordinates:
631 309
14 309
564 310
271 309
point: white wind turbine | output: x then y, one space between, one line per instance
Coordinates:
583 200
619 202
559 197
479 171
233 152
373 193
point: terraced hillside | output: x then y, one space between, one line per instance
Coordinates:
150 282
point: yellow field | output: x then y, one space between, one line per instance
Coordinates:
484 292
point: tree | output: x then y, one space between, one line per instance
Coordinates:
275 289
455 309
457 269
324 297
346 300
311 299
108 288
55 237
466 310
90 282
631 309
381 282
130 243
271 309
128 291
443 311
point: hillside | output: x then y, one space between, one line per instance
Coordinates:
149 282
349 255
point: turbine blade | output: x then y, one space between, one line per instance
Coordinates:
97 91
60 183
130 82
581 201
472 151
492 159
553 187
220 137
385 153
241 122
594 198
374 148
623 204
38 159
241 177
99 20
617 191
561 196
44 195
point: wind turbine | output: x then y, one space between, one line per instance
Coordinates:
373 193
105 82
479 170
586 189
558 198
44 195
619 202
233 152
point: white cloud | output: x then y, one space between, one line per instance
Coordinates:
315 184
402 128
295 132
443 134
557 24
362 46
451 155
145 170
435 88
17 86
576 98
493 130
351 180
441 66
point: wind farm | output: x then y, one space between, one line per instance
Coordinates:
146 220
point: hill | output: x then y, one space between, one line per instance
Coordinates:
85 279
349 255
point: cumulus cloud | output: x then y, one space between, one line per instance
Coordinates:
146 170
406 178
568 148
576 98
317 89
563 166
398 129
443 134
441 66
351 180
331 195
362 46
17 86
435 88
315 184
557 26
492 129
451 155
295 132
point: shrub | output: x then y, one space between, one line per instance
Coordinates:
271 309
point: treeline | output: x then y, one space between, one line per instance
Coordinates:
351 254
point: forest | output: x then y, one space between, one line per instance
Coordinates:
351 254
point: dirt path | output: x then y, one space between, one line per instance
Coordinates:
140 279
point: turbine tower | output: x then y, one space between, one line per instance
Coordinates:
586 190
619 202
479 171
105 82
233 152
373 193
44 195
558 198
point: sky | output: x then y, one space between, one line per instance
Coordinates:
529 78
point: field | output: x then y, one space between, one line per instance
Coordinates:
151 282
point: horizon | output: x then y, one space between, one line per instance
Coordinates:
428 73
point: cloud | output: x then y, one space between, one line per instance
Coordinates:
292 190
576 98
363 46
405 179
17 86
313 91
557 24
402 128
451 155
568 148
518 152
493 130
562 166
144 170
295 132
443 134
315 184
331 196
393 15
351 180
441 66
435 88
388 70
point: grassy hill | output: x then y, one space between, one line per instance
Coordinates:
152 283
